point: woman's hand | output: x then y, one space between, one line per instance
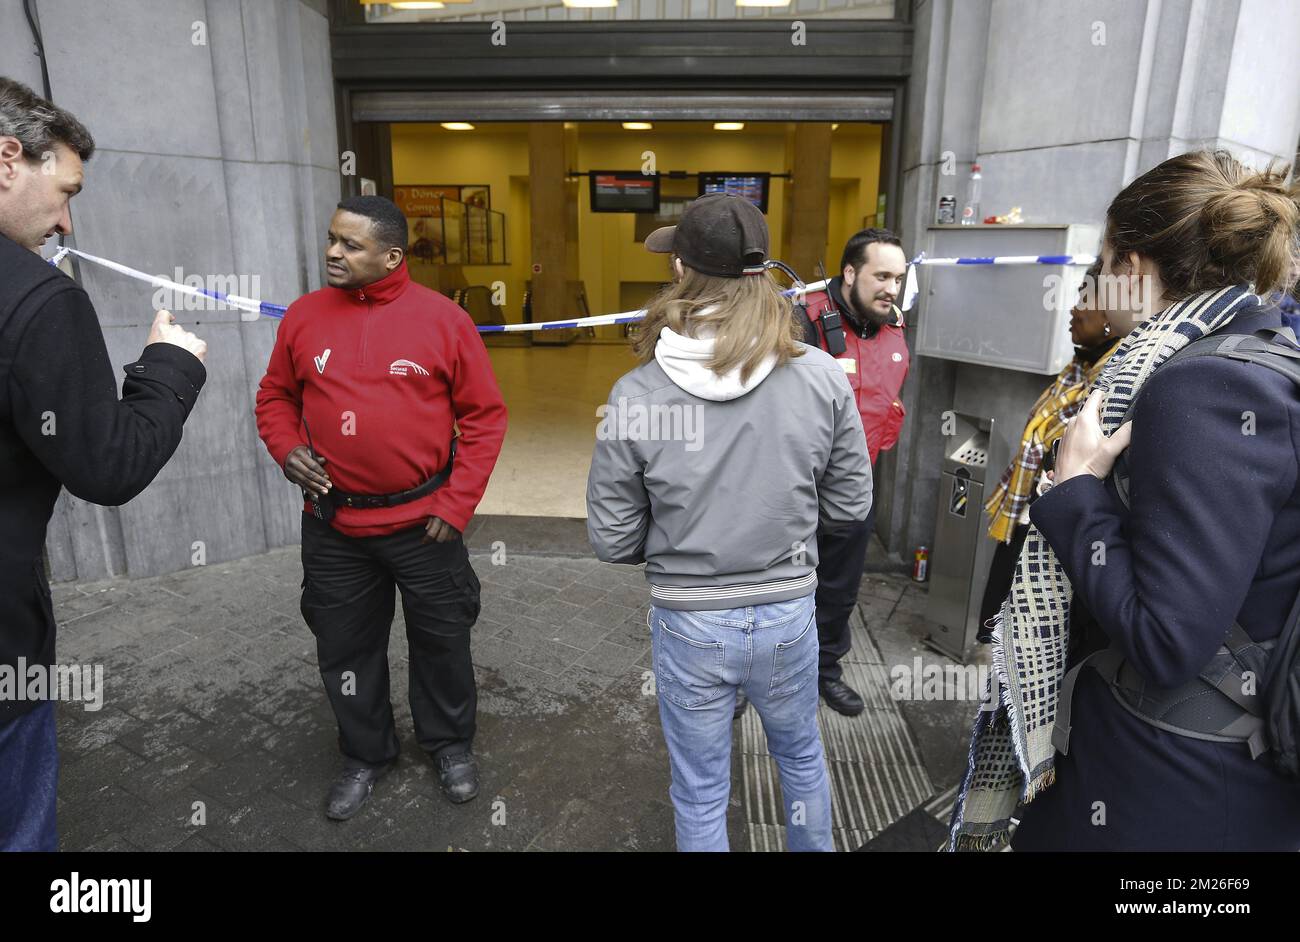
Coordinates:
1085 449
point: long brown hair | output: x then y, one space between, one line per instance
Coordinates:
750 317
1207 222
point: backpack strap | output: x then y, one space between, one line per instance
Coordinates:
1273 347
1283 695
1286 333
810 334
1239 718
1237 643
1107 662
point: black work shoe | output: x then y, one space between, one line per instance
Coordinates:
352 789
840 697
742 703
458 776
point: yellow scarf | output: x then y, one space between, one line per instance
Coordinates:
1058 404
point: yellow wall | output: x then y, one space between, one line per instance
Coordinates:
605 254
609 254
497 156
855 185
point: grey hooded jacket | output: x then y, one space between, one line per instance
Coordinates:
718 486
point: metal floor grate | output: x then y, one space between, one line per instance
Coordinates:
874 765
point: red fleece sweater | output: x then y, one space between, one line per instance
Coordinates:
380 374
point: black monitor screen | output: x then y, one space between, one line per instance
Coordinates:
624 191
753 186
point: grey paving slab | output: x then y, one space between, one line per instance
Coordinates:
215 734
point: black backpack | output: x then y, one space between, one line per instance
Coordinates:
1215 706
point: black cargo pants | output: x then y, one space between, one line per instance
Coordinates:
841 561
348 595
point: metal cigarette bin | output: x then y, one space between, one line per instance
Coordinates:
962 552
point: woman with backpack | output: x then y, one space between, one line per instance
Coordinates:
714 461
1189 560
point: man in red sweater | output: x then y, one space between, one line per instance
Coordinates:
369 380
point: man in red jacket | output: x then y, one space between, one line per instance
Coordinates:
855 320
367 382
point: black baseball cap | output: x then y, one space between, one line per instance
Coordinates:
718 235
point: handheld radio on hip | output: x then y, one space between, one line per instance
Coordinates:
322 505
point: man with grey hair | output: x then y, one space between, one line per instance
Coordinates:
61 425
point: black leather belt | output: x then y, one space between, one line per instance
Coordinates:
369 501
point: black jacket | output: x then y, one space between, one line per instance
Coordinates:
62 425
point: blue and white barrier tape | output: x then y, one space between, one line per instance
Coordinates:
1008 260
910 289
251 308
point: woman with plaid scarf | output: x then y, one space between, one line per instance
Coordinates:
1209 537
1095 339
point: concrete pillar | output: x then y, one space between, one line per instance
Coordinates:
940 133
1062 105
217 154
548 220
808 217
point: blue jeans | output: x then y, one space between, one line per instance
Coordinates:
29 781
700 659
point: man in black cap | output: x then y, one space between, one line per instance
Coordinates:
872 274
711 241
725 521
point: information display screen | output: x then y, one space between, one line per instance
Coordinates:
624 191
752 186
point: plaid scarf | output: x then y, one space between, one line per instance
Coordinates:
1011 755
1059 403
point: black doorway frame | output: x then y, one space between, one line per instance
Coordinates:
849 58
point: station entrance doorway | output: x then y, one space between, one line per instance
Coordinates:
534 215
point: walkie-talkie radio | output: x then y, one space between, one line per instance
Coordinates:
322 505
830 319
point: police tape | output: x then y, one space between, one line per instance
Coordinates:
1008 260
911 289
251 308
